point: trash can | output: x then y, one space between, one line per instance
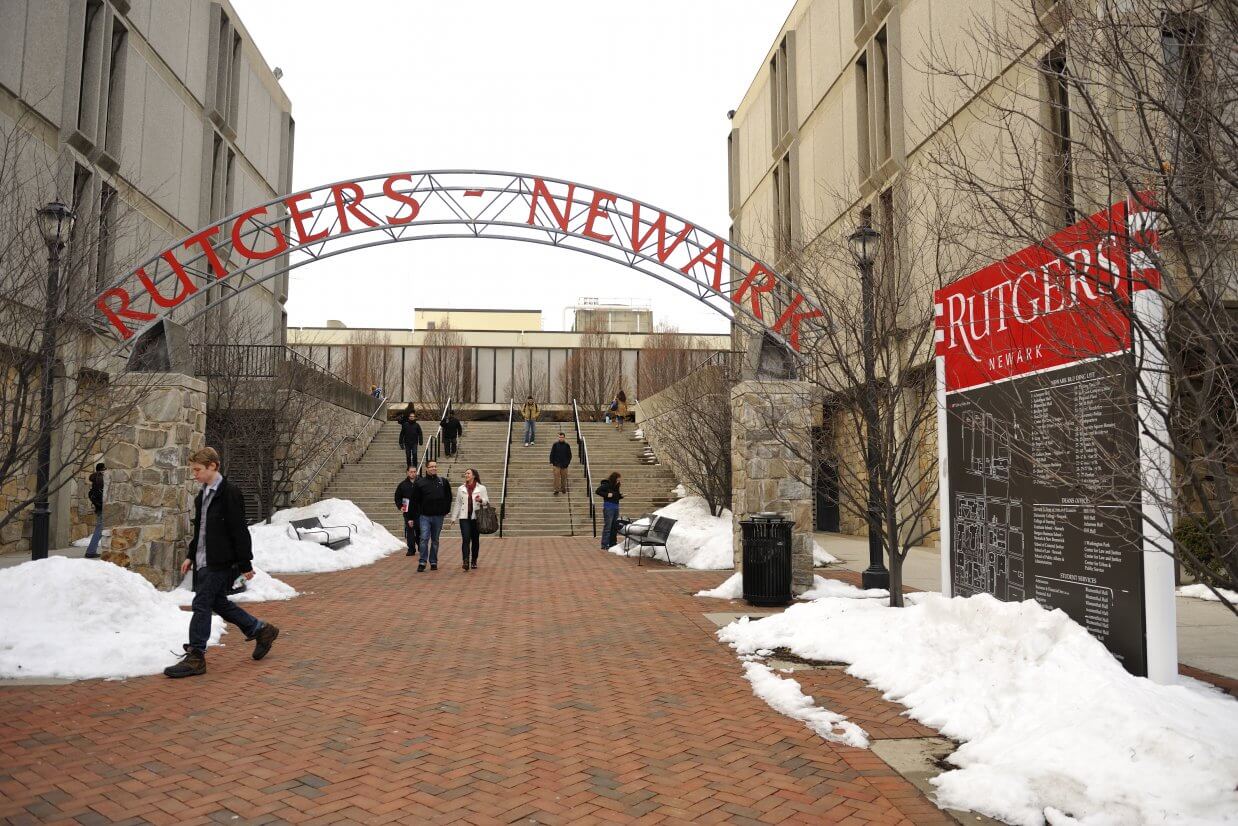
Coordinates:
767 559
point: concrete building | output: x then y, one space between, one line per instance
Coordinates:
150 120
612 316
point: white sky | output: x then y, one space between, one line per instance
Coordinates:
625 95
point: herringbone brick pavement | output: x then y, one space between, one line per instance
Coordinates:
555 684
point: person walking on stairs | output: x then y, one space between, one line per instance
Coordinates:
560 458
452 431
404 500
96 501
432 499
619 409
410 439
609 491
469 497
529 412
220 547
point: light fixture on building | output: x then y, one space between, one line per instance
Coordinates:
864 243
55 223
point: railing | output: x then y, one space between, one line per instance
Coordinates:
507 458
382 405
583 449
264 361
433 443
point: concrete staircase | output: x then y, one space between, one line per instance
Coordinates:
532 509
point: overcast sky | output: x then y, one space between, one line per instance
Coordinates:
629 95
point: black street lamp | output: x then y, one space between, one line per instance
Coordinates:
56 224
864 243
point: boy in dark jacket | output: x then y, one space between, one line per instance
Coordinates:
560 458
405 502
220 547
432 497
452 431
96 501
410 439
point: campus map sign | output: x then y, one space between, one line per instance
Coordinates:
1039 434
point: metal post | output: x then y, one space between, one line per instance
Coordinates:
40 534
876 575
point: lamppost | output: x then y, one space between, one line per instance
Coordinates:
56 224
864 244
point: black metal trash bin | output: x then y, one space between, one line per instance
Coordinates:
767 559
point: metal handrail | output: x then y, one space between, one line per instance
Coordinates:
382 405
583 448
507 458
431 451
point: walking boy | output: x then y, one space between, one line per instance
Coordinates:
529 412
432 498
96 501
560 458
410 439
452 431
219 548
404 502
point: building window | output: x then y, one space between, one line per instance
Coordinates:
732 165
1061 169
1185 110
107 240
780 92
88 76
863 154
234 79
115 89
224 60
783 223
882 129
887 228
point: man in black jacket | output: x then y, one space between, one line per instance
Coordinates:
410 439
452 431
560 458
220 547
405 502
432 498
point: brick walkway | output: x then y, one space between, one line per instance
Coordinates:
556 684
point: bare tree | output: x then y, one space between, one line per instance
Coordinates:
446 369
667 357
89 411
365 357
528 380
593 373
1104 103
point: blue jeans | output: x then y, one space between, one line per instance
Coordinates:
610 515
530 432
211 597
93 548
470 540
431 527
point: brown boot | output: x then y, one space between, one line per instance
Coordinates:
192 664
263 639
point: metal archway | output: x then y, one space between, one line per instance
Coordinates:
286 233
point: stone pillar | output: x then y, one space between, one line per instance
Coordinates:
771 438
151 493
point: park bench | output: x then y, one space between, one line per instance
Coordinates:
650 531
312 530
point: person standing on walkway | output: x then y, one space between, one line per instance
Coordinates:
529 412
619 409
432 499
220 547
469 497
609 491
560 458
404 500
452 431
410 439
96 501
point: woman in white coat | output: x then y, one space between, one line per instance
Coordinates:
469 497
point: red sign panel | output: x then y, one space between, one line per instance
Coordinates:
1054 303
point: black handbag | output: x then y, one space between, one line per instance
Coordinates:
487 518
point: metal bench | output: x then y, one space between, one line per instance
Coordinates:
650 531
312 530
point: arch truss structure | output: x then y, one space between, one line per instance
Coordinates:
286 233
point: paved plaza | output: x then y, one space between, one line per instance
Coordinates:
555 684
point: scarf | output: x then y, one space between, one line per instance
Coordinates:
469 486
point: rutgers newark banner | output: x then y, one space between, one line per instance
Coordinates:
1039 433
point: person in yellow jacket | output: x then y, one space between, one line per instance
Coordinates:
529 411
619 409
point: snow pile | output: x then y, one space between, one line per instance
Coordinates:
638 433
784 696
820 556
1201 591
698 540
1050 721
78 619
277 551
262 588
733 588
679 491
823 588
